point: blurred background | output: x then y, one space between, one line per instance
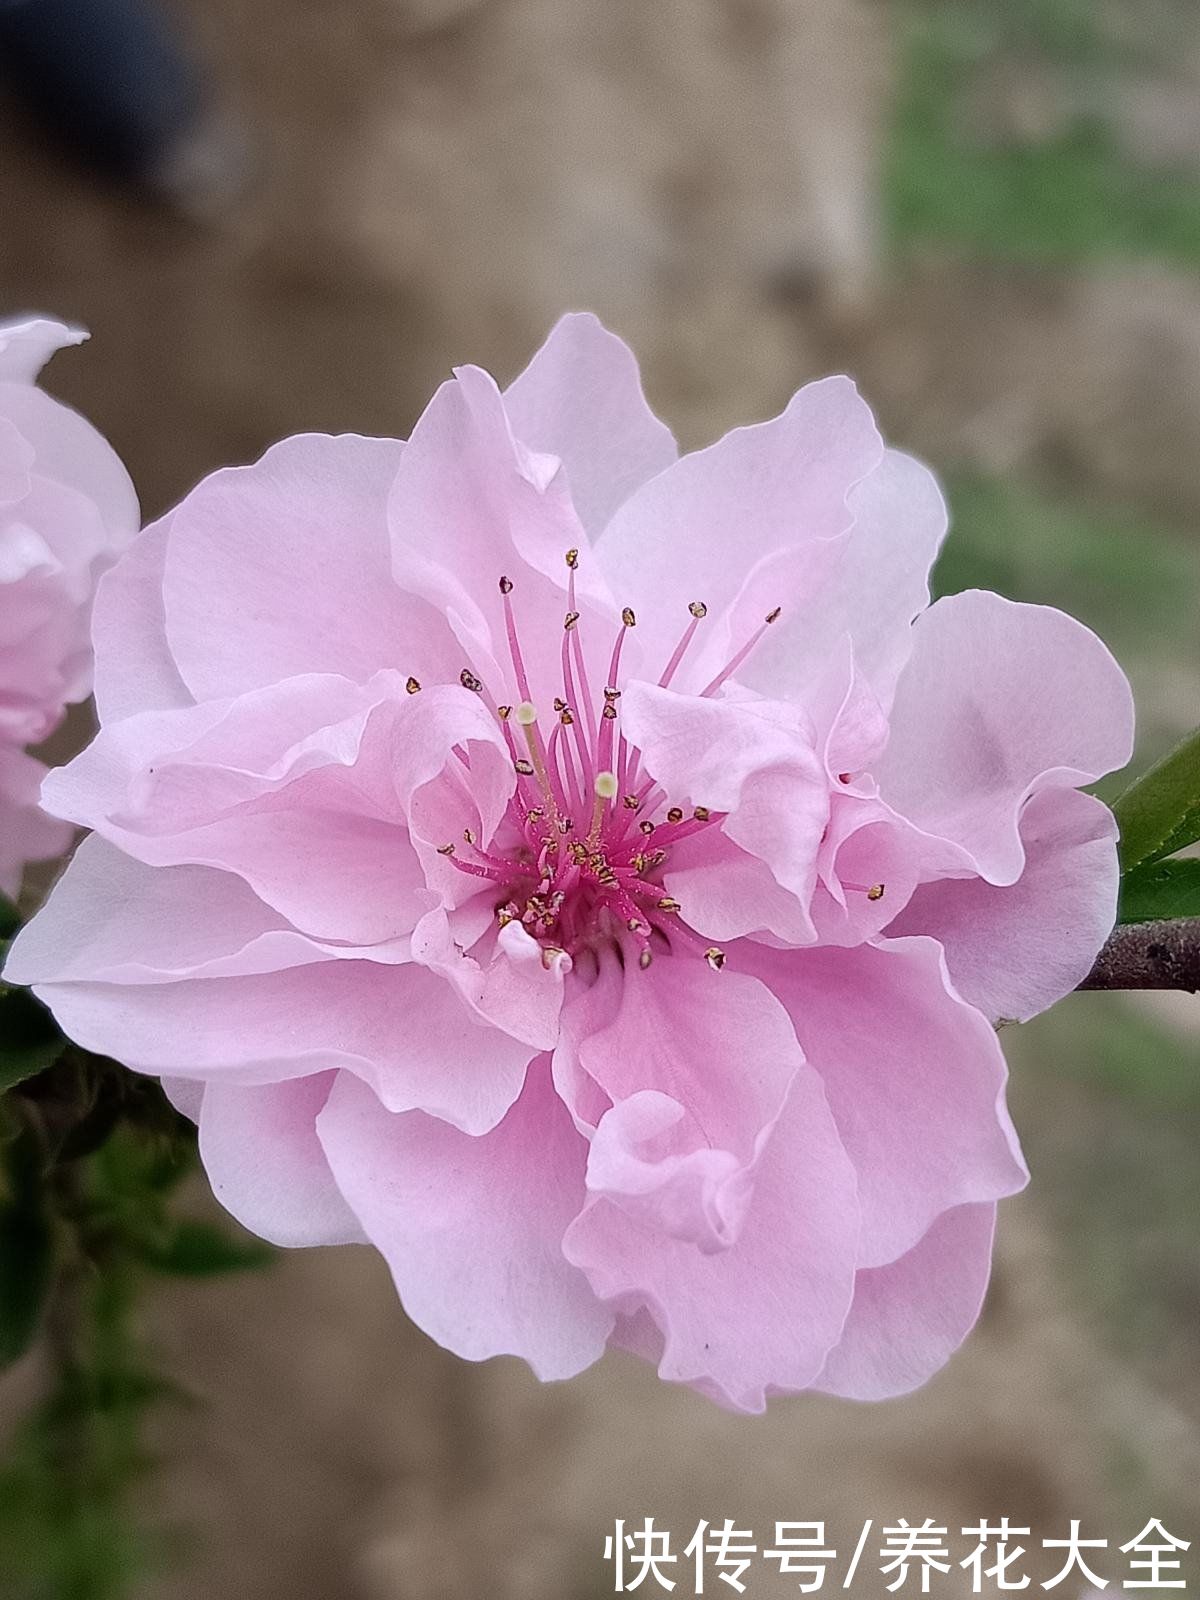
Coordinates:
988 211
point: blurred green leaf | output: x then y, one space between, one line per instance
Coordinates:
29 1037
1160 811
1160 889
200 1249
10 919
26 1248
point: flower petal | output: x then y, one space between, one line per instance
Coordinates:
753 759
763 1314
1013 951
135 670
26 832
472 1227
266 1165
744 526
270 1026
307 520
880 583
26 346
915 1079
999 700
909 1317
581 399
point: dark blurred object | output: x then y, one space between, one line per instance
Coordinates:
111 82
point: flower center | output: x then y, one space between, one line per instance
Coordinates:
578 859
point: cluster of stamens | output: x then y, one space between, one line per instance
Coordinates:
579 857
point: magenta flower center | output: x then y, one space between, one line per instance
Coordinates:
578 859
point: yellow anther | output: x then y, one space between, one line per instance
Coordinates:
413 686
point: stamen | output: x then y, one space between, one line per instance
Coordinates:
731 668
874 891
514 648
413 686
699 611
469 681
715 957
605 788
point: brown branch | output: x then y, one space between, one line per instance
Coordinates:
1149 955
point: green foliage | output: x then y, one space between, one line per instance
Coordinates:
1066 194
29 1037
1159 813
26 1242
91 1157
194 1249
1160 889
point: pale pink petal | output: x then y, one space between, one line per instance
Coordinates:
186 1095
1014 951
69 451
1000 700
728 894
759 1316
318 510
748 524
27 345
399 1028
581 399
135 670
470 505
915 1079
909 1317
880 583
300 788
112 919
719 1044
26 832
266 1165
753 759
472 1227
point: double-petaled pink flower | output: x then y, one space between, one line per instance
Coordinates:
592 875
66 508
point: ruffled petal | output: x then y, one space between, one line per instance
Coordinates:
998 701
753 522
135 670
751 759
763 1314
26 832
263 1027
878 586
472 1227
915 1079
1015 950
266 1165
26 346
581 399
909 1317
284 567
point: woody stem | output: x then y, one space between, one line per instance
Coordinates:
1149 955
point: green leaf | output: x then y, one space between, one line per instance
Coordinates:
10 919
1160 889
26 1249
201 1250
1160 812
29 1037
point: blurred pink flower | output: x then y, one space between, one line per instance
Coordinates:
67 508
592 875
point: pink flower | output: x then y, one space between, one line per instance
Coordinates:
66 508
590 875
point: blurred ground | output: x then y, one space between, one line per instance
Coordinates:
989 212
